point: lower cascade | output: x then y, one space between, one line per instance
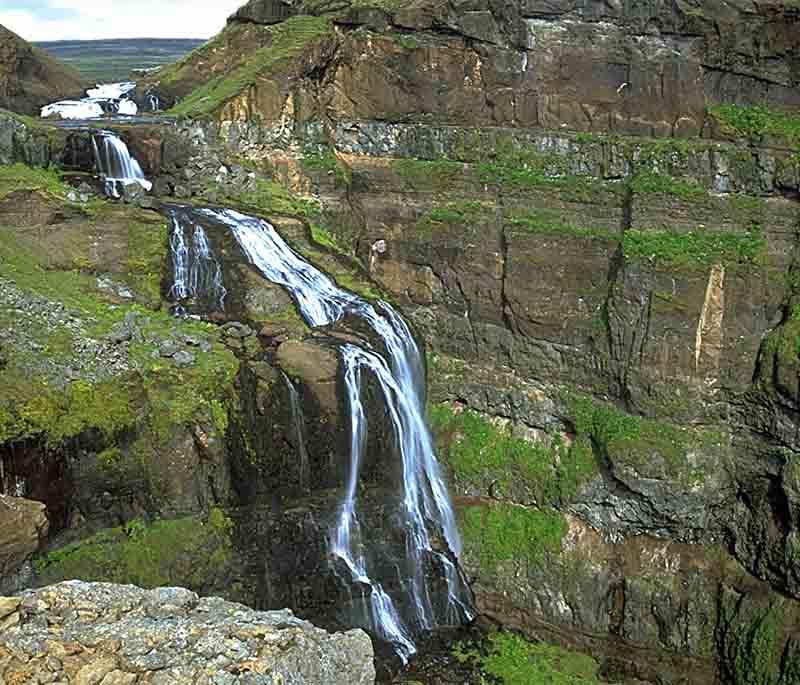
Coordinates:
425 518
116 164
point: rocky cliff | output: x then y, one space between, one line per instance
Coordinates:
589 211
30 78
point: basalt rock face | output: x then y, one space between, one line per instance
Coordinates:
644 70
120 634
30 78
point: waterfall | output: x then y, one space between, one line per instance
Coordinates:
299 428
104 98
195 270
401 380
153 102
116 165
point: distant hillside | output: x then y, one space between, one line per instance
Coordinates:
30 77
113 60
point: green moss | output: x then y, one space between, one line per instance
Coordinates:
287 41
186 552
756 121
500 533
438 175
756 647
324 237
468 214
654 448
21 177
512 660
147 249
325 159
177 397
271 198
482 453
29 407
649 182
694 248
551 222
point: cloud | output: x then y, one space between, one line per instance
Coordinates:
91 19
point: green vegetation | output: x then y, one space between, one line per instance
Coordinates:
469 214
30 407
22 177
147 242
322 236
185 552
482 453
756 121
328 161
511 660
514 166
654 448
551 222
287 41
499 533
694 248
440 174
753 644
648 182
271 198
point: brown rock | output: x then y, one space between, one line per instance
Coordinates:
316 366
23 525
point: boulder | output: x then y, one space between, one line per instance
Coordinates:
23 524
89 633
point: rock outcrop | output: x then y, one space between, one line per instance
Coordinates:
122 635
23 529
30 78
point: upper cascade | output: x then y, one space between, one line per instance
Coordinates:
106 98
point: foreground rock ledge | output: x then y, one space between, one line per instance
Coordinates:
105 634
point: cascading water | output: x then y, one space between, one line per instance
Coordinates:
116 165
299 429
108 98
195 270
425 501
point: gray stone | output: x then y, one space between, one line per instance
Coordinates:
169 635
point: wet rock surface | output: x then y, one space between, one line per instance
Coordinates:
120 634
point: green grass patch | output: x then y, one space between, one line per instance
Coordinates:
551 222
469 214
756 121
270 197
438 175
22 177
147 245
648 182
482 453
30 407
695 248
512 660
654 448
500 533
326 159
186 552
287 41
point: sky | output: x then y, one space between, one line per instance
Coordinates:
36 20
